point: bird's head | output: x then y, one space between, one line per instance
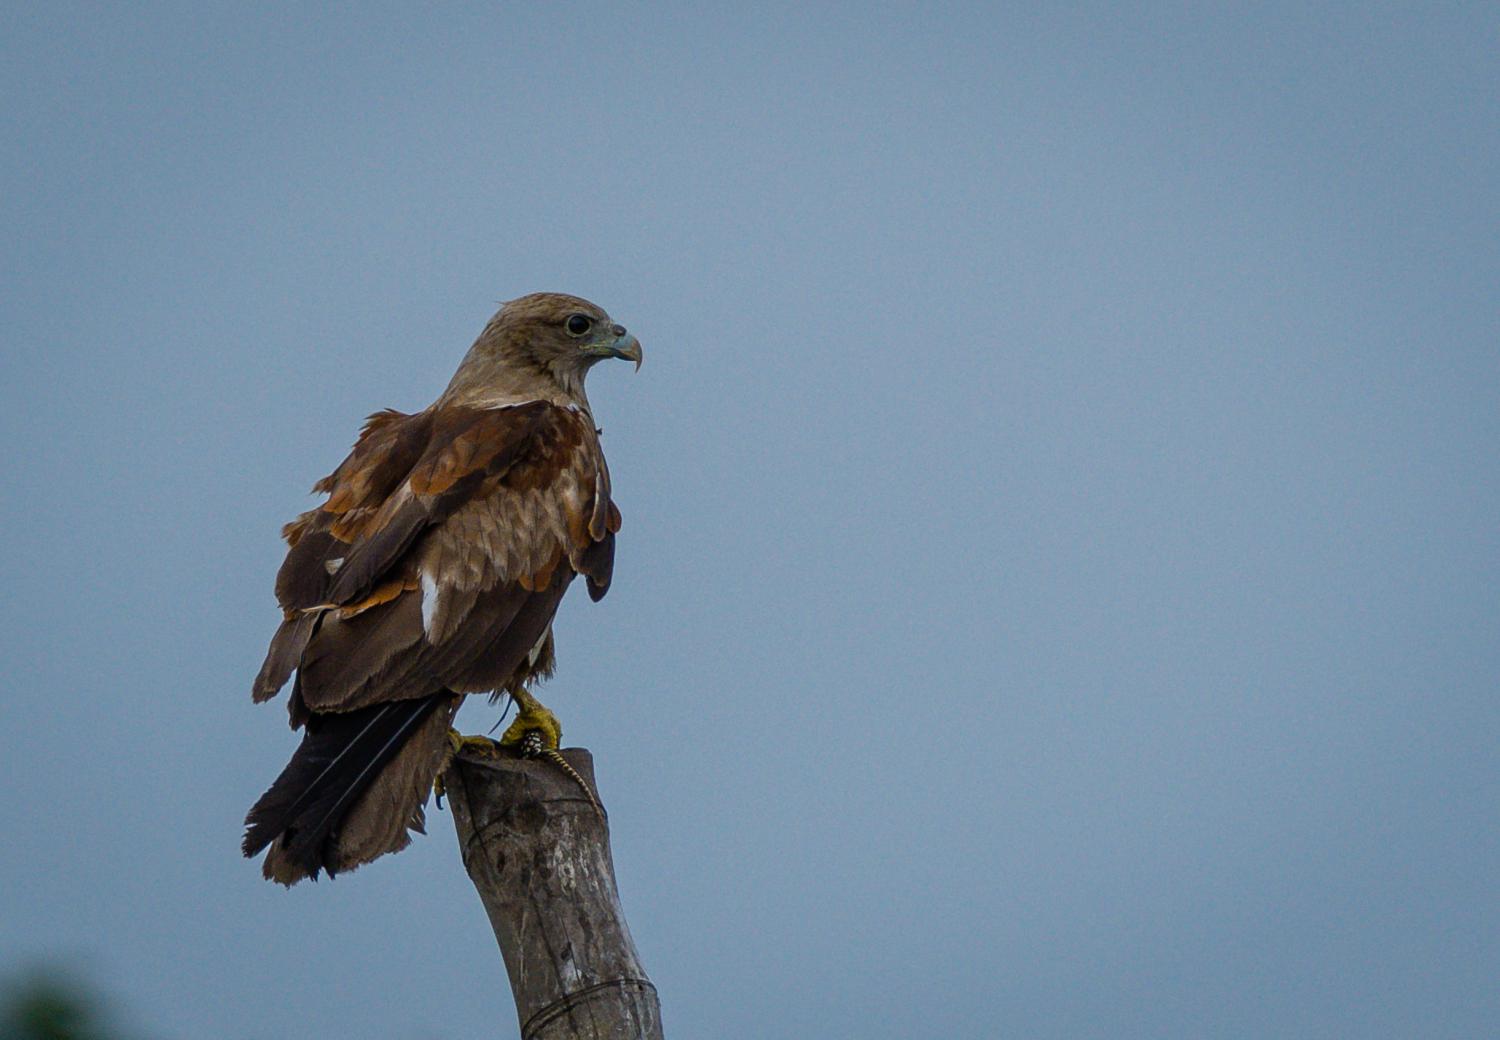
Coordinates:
542 338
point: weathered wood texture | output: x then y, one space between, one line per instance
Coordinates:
538 853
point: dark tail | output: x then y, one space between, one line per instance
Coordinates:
340 756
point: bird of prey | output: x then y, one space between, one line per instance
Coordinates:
433 571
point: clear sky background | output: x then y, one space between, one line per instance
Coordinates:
1060 586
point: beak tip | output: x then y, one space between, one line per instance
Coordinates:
631 351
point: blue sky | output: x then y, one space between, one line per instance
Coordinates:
1058 589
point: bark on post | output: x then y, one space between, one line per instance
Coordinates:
538 854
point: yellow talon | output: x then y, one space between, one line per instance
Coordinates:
533 718
536 733
483 746
541 722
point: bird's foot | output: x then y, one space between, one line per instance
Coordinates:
483 747
538 734
535 731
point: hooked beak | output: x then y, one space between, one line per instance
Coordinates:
627 347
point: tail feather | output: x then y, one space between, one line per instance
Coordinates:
286 650
340 756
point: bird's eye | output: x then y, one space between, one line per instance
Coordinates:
579 324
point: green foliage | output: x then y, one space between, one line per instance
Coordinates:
52 1006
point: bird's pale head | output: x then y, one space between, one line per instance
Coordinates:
541 345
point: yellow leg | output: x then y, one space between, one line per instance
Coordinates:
536 733
539 735
532 719
475 745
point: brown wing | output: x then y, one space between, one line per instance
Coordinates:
388 448
447 540
406 472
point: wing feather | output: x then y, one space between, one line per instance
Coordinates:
389 446
472 446
440 557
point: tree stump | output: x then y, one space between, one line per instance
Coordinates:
538 853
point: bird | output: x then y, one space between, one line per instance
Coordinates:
432 571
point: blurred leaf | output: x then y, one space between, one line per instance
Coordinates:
50 1005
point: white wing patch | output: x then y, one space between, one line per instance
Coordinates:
496 404
536 651
429 601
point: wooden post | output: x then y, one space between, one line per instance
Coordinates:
538 854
